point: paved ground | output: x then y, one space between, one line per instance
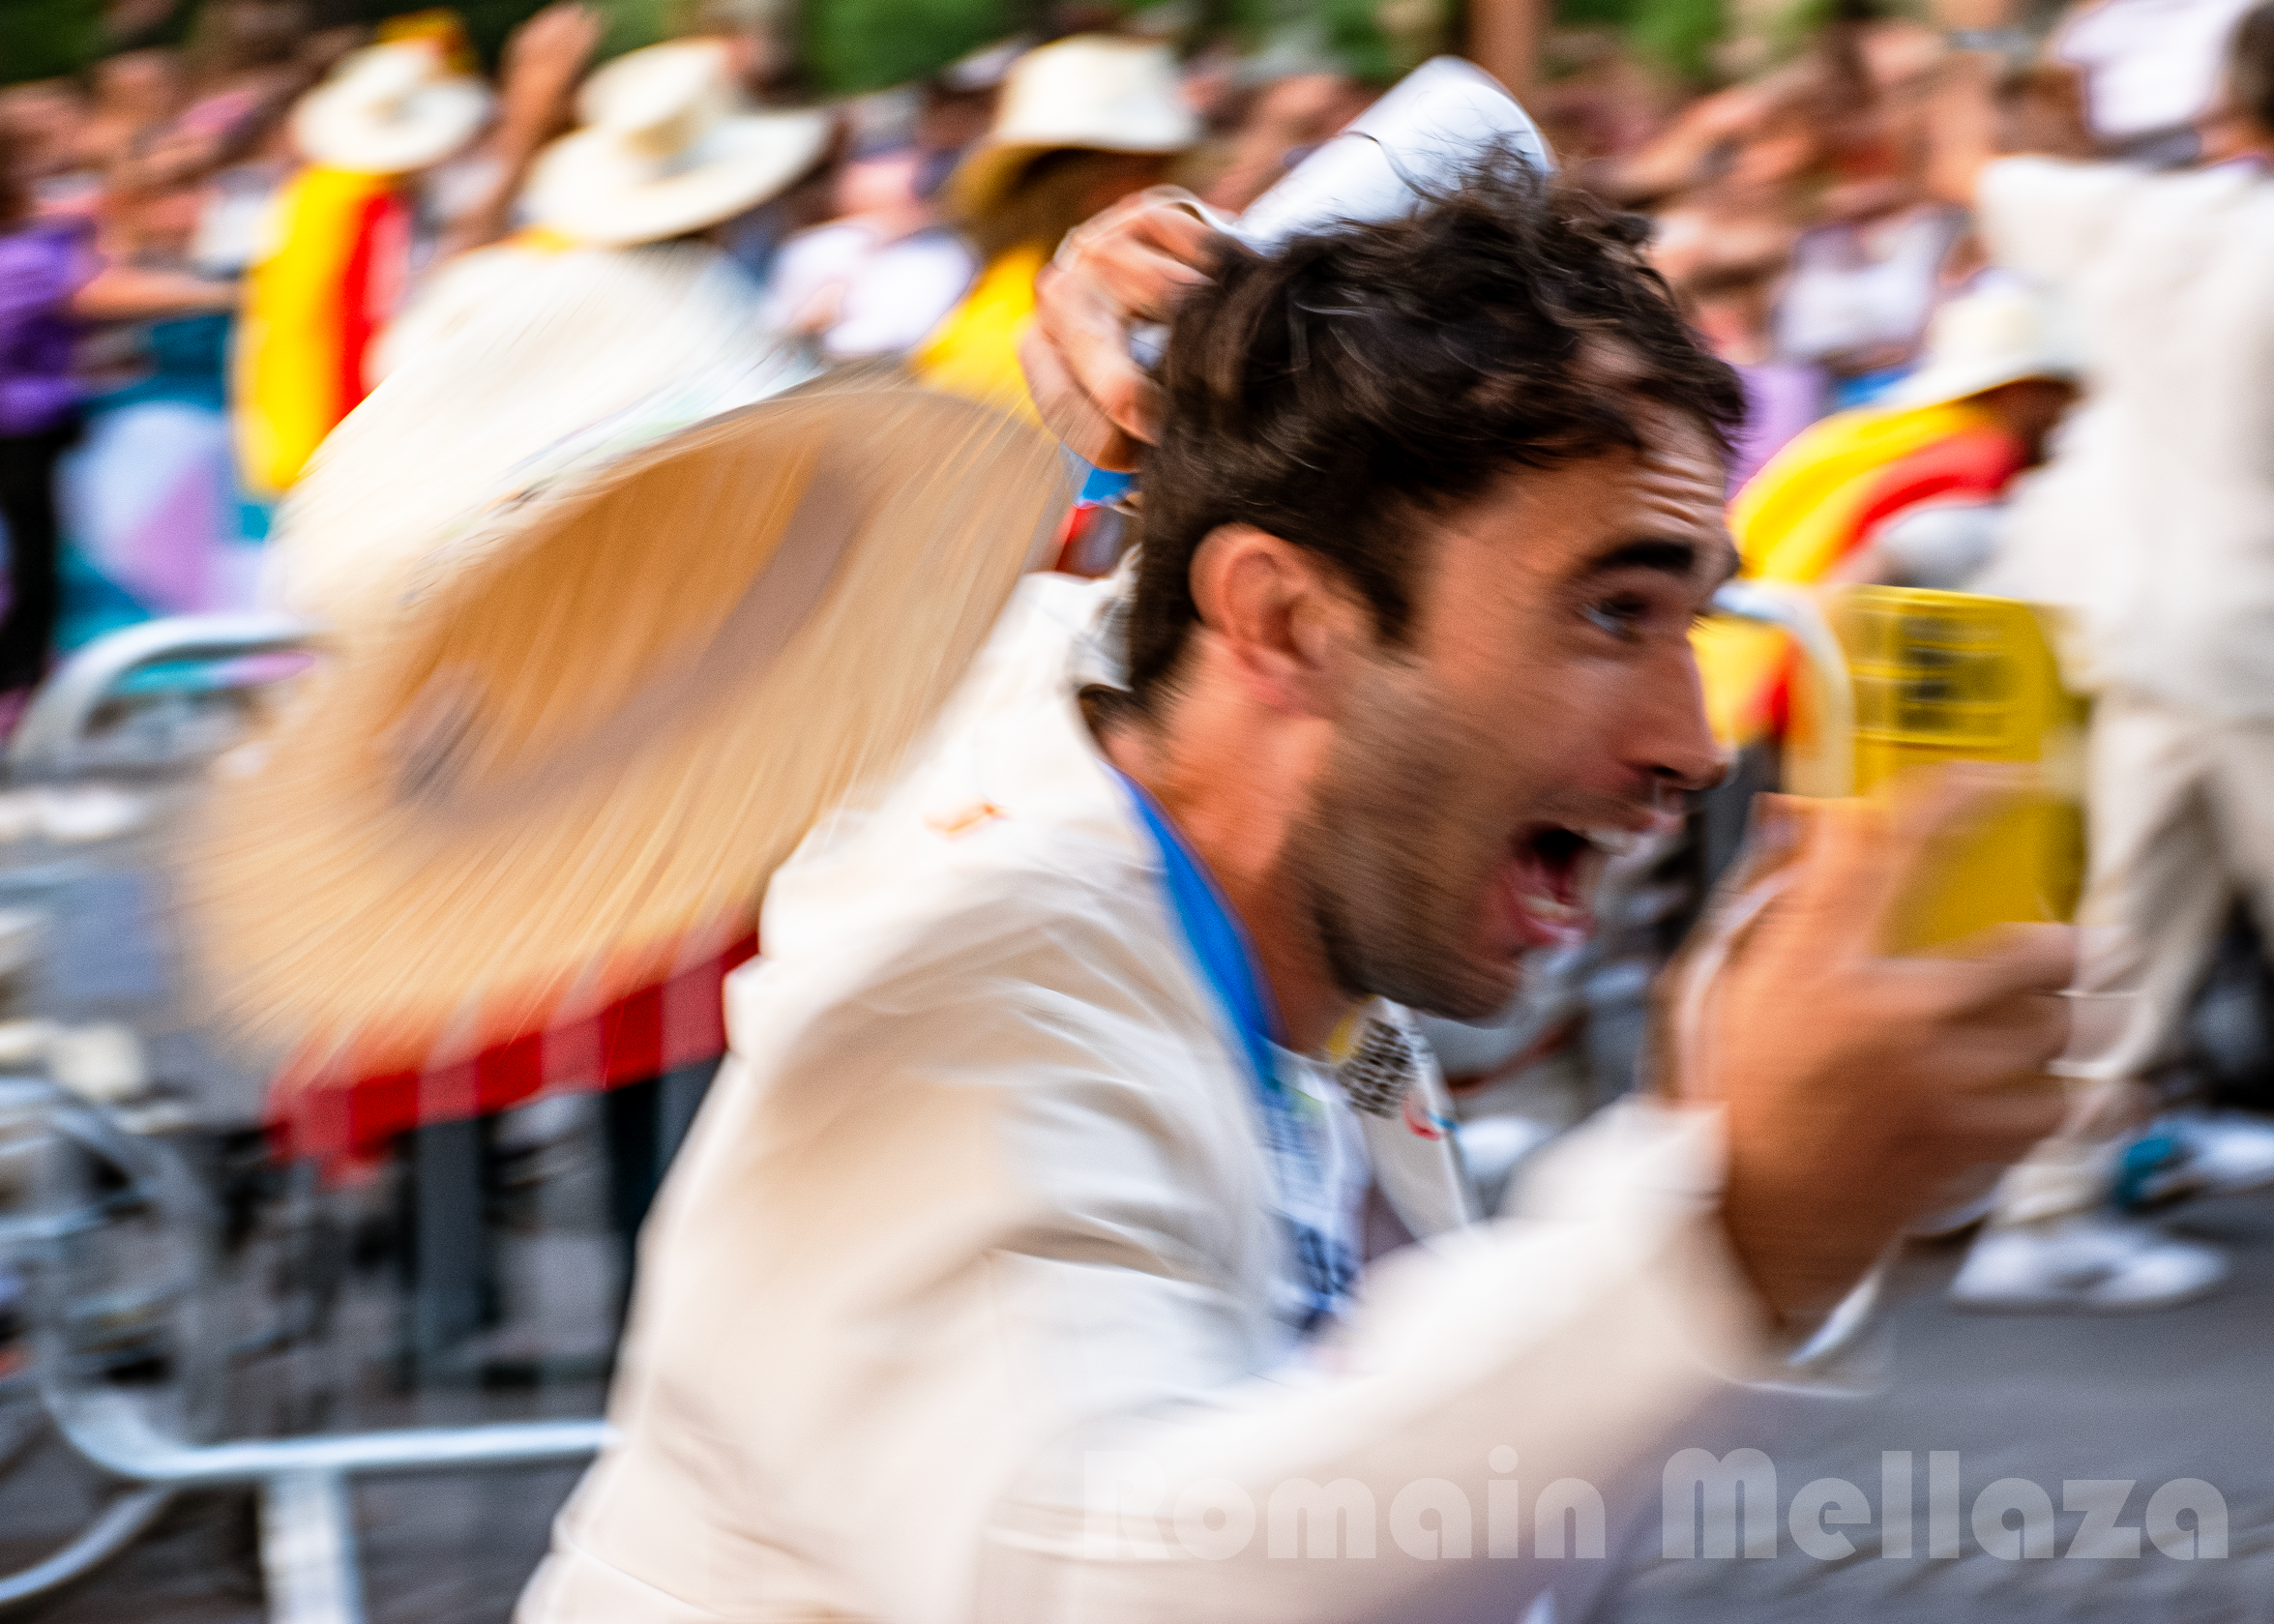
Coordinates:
2150 1398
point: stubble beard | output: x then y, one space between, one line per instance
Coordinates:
1393 865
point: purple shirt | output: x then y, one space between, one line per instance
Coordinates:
1782 398
43 263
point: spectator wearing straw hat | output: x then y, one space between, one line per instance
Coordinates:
339 246
1083 123
666 151
1933 518
616 305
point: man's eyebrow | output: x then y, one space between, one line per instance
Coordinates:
1649 552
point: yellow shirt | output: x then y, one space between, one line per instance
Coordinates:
974 350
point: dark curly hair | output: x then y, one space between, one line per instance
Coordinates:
1367 376
2250 65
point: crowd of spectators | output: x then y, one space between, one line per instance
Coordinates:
1798 214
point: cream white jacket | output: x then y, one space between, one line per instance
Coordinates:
953 1307
2155 516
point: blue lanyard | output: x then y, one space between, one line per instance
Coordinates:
1324 1258
1216 938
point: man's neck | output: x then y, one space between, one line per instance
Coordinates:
1236 797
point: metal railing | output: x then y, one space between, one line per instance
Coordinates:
53 729
308 1548
308 1530
307 1542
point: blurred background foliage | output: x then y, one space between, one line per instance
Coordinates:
41 38
854 45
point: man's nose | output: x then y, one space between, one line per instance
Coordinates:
1680 750
1693 777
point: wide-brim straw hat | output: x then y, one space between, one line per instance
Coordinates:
1094 92
668 147
390 109
1982 341
578 762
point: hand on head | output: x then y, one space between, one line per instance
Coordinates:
1131 263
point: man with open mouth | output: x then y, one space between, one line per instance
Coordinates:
1015 1270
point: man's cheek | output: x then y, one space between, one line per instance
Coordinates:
1568 740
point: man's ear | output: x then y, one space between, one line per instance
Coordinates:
1288 629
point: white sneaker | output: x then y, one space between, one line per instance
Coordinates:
2085 1264
2226 1152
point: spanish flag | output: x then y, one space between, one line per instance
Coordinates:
338 256
1793 520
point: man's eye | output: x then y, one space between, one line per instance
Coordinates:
1621 616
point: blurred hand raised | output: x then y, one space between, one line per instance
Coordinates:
1132 263
1858 1084
544 59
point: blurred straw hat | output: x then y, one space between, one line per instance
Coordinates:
1981 341
668 147
389 109
1092 91
581 758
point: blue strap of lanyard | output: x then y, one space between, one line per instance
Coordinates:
1326 1262
1217 941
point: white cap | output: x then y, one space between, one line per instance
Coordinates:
1997 336
1438 119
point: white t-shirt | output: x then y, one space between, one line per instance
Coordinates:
878 299
2148 63
1864 287
2155 516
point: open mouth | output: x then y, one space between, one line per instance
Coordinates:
1548 881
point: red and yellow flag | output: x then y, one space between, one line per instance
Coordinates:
1792 523
338 256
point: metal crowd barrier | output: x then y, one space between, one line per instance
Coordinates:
52 732
308 1542
308 1547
